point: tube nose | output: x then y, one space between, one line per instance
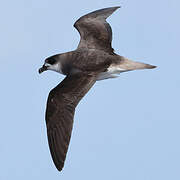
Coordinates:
42 69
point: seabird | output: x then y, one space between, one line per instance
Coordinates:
94 59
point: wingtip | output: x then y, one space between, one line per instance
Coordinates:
60 167
117 7
114 7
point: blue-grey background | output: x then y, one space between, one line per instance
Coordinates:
125 128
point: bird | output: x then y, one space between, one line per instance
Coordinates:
93 60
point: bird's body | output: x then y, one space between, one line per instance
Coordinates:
93 60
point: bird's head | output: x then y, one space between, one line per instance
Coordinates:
51 63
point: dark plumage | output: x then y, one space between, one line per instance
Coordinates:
93 60
61 105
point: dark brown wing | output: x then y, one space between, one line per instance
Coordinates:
95 32
61 105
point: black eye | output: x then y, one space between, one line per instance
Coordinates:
50 60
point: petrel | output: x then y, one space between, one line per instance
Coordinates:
94 59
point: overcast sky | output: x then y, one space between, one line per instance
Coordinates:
125 128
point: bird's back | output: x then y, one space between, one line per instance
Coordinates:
90 60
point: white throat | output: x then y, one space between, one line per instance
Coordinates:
55 67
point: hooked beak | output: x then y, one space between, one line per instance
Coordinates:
42 69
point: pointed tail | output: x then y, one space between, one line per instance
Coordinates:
129 65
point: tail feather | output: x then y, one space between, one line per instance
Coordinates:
129 65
